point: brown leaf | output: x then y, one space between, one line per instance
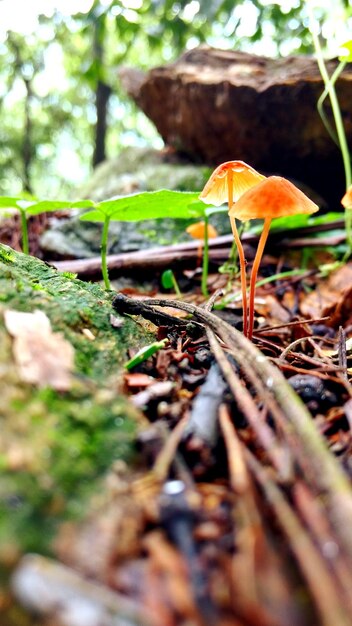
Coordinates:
138 379
331 297
43 357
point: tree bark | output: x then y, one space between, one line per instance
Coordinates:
102 96
27 151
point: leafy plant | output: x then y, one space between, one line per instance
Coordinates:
144 354
340 136
145 206
33 207
22 206
203 231
168 281
134 208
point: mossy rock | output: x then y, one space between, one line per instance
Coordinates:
143 169
55 446
134 170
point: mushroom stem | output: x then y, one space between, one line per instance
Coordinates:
254 274
242 260
241 256
205 258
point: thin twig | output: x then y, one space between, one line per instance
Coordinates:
302 370
167 454
313 515
247 535
280 459
312 565
295 323
342 356
237 467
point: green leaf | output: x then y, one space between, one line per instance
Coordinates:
167 279
55 205
298 221
290 222
218 209
145 353
9 203
93 216
149 205
83 204
346 56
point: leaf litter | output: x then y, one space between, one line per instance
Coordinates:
239 510
44 358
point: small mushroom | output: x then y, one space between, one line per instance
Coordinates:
273 197
227 184
198 230
347 198
203 231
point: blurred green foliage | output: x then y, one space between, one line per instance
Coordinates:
53 79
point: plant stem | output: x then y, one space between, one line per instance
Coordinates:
264 281
176 287
341 135
254 274
205 258
329 86
24 227
341 66
103 247
241 256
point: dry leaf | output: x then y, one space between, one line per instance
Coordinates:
271 309
43 357
115 321
331 297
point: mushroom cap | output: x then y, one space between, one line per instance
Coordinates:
197 230
273 197
347 199
216 189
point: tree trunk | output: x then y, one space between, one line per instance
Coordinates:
27 151
102 96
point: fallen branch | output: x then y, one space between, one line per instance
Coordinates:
183 253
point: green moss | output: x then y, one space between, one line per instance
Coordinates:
55 447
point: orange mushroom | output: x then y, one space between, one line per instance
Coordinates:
347 199
198 230
227 184
273 197
203 231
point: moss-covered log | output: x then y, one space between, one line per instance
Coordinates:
54 445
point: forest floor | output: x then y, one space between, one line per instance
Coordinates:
233 504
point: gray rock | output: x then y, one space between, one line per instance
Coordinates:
143 169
